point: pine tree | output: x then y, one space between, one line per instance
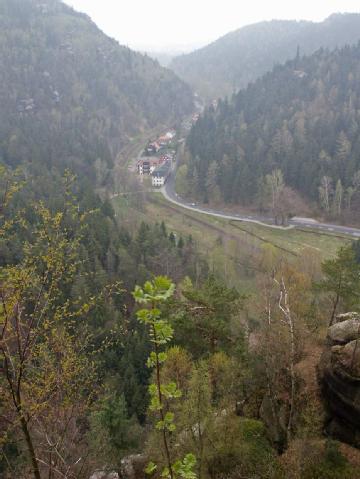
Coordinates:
172 238
180 244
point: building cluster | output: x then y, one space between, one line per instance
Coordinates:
157 159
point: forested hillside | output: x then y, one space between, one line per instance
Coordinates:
242 56
71 96
68 267
300 123
127 349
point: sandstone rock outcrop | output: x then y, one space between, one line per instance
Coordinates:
104 475
132 467
339 373
344 331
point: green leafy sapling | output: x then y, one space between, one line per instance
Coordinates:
152 295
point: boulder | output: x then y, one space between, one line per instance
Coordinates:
344 316
344 331
133 466
104 475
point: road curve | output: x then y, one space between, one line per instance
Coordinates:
168 191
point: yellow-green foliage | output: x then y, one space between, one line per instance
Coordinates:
46 379
153 295
224 443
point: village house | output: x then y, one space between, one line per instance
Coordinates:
161 174
157 155
165 139
152 148
147 164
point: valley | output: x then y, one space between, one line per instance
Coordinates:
179 246
233 243
265 221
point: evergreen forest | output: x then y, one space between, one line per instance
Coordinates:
299 122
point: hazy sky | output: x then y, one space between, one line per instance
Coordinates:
169 24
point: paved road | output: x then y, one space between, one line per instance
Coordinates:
169 193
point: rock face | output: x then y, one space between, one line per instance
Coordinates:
339 373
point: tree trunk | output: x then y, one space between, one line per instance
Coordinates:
160 397
30 446
336 302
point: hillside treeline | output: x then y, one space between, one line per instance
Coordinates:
302 119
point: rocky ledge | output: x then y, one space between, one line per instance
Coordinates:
339 374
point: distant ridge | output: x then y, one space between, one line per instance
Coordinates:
240 57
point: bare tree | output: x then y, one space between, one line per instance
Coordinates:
350 191
325 192
288 319
338 198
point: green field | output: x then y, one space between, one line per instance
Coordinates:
233 248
